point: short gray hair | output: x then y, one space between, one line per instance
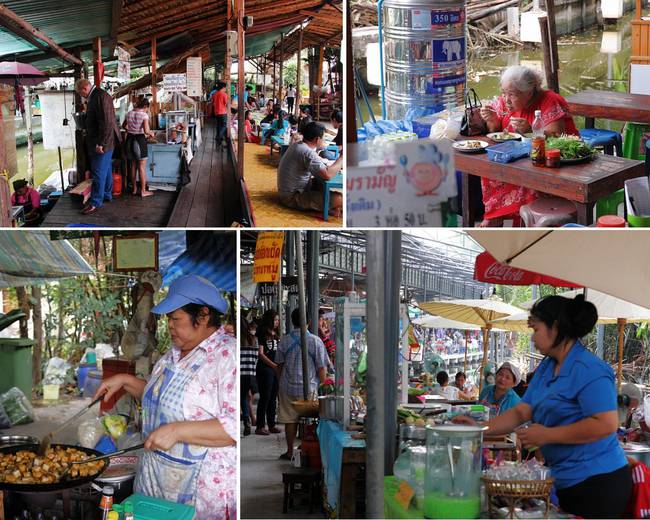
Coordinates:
524 79
81 83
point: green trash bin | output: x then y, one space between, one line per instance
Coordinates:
16 364
634 140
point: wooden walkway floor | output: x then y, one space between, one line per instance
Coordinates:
211 199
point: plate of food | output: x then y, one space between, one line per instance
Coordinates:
502 137
572 149
470 146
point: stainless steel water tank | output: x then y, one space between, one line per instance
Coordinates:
424 56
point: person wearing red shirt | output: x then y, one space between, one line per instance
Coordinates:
514 111
220 104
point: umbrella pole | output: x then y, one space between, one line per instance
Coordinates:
466 347
61 170
486 341
621 332
30 135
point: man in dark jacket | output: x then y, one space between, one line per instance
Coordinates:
101 135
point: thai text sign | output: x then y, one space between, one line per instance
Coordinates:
194 75
175 82
268 257
407 191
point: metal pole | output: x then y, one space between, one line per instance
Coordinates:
30 134
375 307
392 272
531 361
303 317
291 270
313 290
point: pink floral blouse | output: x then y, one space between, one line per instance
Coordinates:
212 394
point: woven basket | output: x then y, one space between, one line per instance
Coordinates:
306 408
512 492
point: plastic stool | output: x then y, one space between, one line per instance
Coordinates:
608 139
548 212
609 205
633 141
305 481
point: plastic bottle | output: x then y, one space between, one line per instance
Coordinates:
117 508
128 511
537 153
106 502
113 515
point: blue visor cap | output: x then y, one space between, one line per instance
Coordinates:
191 289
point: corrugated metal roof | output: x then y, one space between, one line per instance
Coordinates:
256 44
67 22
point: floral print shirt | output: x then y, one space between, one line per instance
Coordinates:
212 394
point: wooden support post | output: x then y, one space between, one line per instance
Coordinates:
621 336
298 69
97 61
154 84
281 89
274 75
552 35
226 70
241 85
319 79
263 77
550 69
78 133
486 343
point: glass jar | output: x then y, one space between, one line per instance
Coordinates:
553 158
452 482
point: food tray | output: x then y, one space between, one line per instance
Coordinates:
508 151
512 492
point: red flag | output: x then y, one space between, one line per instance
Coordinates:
488 269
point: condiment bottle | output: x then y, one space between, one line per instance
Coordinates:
106 502
128 511
553 158
113 515
537 154
117 508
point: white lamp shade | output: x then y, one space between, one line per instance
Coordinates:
612 9
612 42
529 26
373 65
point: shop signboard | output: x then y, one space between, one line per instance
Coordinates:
406 191
175 82
268 257
194 76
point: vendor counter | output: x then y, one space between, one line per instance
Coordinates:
343 459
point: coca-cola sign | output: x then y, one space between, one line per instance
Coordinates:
504 273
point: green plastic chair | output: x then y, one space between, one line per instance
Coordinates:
609 205
632 140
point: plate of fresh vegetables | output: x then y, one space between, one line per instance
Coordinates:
572 149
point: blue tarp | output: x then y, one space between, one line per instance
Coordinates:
213 257
333 438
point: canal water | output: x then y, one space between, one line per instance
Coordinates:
595 59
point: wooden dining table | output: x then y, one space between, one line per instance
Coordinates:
605 104
583 183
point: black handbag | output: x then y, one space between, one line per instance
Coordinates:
472 123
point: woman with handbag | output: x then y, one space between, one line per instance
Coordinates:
514 111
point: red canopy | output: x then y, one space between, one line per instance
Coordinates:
488 269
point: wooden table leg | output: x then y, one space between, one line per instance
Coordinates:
468 188
348 498
589 122
585 213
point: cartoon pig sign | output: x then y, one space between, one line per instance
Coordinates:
426 177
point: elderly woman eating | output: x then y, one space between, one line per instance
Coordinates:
514 111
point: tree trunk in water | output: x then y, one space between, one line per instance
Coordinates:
23 302
37 319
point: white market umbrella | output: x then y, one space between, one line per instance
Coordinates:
473 312
615 262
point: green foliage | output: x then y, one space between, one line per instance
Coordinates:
289 74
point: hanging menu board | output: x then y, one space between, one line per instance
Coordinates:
175 82
194 77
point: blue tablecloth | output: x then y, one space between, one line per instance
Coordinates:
333 438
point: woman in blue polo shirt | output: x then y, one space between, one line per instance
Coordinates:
500 396
571 402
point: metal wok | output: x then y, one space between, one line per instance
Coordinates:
68 481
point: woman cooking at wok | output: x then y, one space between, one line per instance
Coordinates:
189 411
571 402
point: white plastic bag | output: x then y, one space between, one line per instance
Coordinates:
55 371
89 432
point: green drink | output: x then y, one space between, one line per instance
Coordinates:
437 505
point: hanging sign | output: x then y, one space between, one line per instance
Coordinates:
123 64
194 77
289 283
407 193
268 257
175 82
